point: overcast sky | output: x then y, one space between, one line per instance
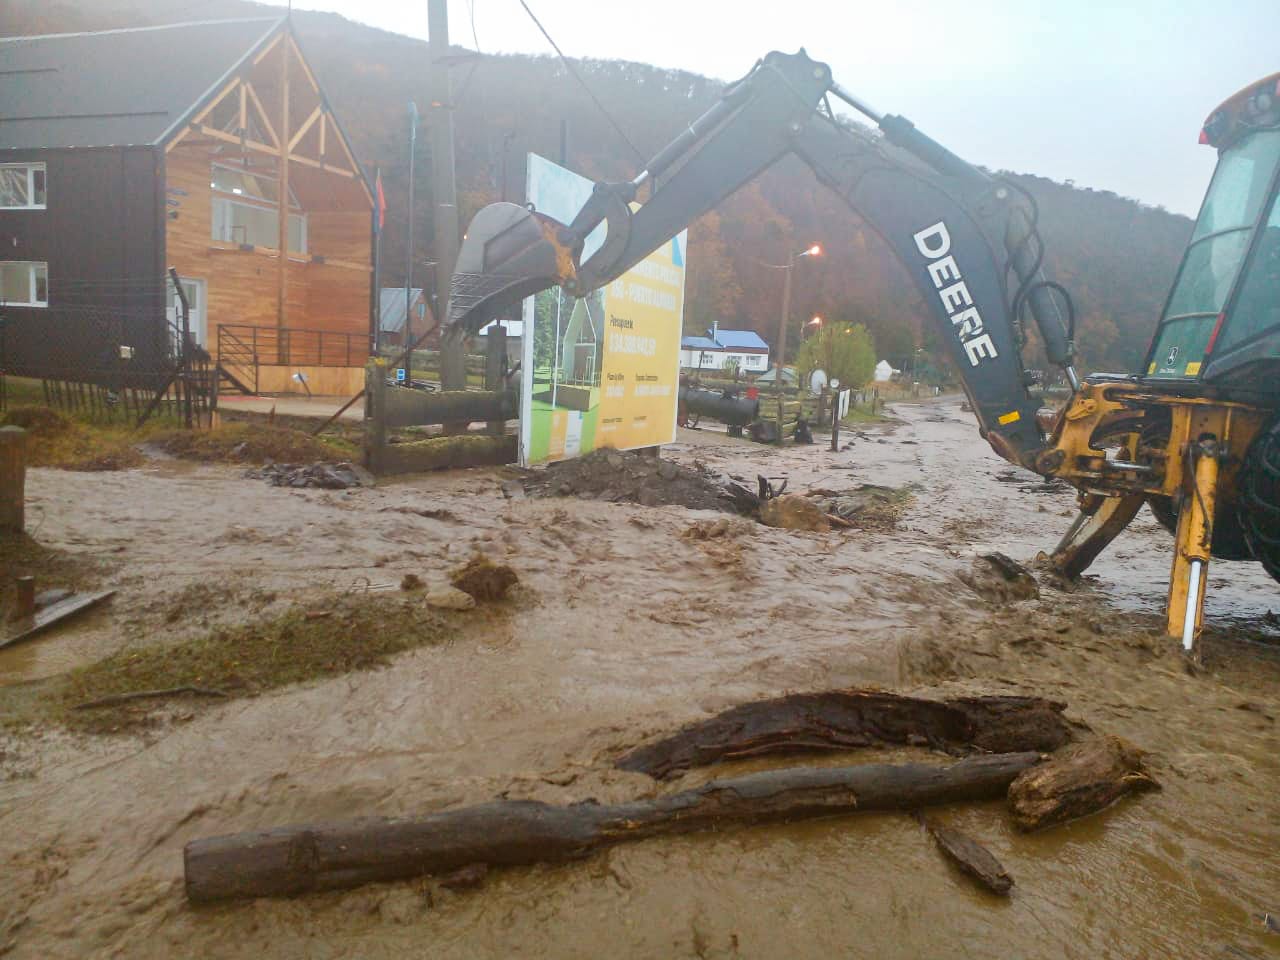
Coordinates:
1108 93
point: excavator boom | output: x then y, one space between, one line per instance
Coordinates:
967 239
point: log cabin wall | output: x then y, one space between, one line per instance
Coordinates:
271 110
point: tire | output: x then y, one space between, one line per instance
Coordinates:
1260 498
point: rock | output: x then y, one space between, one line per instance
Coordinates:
513 489
411 581
327 476
1001 579
793 512
450 598
483 579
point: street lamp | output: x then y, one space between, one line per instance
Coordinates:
812 326
814 250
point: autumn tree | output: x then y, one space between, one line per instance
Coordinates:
845 351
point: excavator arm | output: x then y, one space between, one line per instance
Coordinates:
968 240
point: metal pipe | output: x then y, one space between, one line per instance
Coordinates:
842 94
1193 605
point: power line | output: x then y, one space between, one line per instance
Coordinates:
577 76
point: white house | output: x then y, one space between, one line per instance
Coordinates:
884 372
721 348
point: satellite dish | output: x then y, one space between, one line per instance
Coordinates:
817 381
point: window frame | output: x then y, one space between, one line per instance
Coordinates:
34 269
219 195
32 166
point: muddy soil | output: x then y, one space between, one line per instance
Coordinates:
628 628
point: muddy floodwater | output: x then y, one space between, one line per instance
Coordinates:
623 630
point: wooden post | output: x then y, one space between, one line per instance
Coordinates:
13 480
375 432
24 598
495 363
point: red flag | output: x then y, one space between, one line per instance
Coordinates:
381 200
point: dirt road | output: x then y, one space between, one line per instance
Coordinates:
626 630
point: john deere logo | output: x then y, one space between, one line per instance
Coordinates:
1173 355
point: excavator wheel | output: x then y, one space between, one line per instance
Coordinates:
1260 498
1229 536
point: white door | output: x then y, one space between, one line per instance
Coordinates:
195 294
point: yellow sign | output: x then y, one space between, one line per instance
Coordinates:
640 378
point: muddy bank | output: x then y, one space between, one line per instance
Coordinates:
633 629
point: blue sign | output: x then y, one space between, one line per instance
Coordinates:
399 374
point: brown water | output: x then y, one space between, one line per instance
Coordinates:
627 631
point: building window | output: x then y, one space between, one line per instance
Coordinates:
246 209
22 186
24 284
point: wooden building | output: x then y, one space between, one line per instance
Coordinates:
206 147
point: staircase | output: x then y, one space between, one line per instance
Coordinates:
237 365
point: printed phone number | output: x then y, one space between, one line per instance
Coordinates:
630 343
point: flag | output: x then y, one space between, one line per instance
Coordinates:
380 199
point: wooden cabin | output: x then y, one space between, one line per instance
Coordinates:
206 147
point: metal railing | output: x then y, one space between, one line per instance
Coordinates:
273 346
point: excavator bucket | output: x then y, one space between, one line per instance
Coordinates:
508 253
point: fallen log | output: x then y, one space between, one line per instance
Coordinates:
293 860
1080 780
849 719
971 857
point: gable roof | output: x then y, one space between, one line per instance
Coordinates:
740 339
726 340
698 343
117 87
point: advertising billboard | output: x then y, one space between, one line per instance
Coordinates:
603 370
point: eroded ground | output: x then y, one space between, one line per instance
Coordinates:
624 628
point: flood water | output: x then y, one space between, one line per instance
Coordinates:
626 631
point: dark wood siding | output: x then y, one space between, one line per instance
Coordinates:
102 236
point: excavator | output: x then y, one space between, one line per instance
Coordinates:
1194 434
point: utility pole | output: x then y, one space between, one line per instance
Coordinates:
444 214
408 263
782 341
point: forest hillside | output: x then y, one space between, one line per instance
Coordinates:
1116 255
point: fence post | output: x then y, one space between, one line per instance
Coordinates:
494 362
13 478
375 433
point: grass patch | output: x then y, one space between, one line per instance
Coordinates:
861 413
308 641
56 440
249 442
21 556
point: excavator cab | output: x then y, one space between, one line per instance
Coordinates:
1221 323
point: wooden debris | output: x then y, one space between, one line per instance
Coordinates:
849 719
970 856
53 614
1082 779
293 860
118 698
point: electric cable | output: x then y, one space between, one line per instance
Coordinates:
590 93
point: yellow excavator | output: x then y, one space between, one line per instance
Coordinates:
1195 433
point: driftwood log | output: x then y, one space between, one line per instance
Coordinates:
847 719
971 857
1082 779
299 859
